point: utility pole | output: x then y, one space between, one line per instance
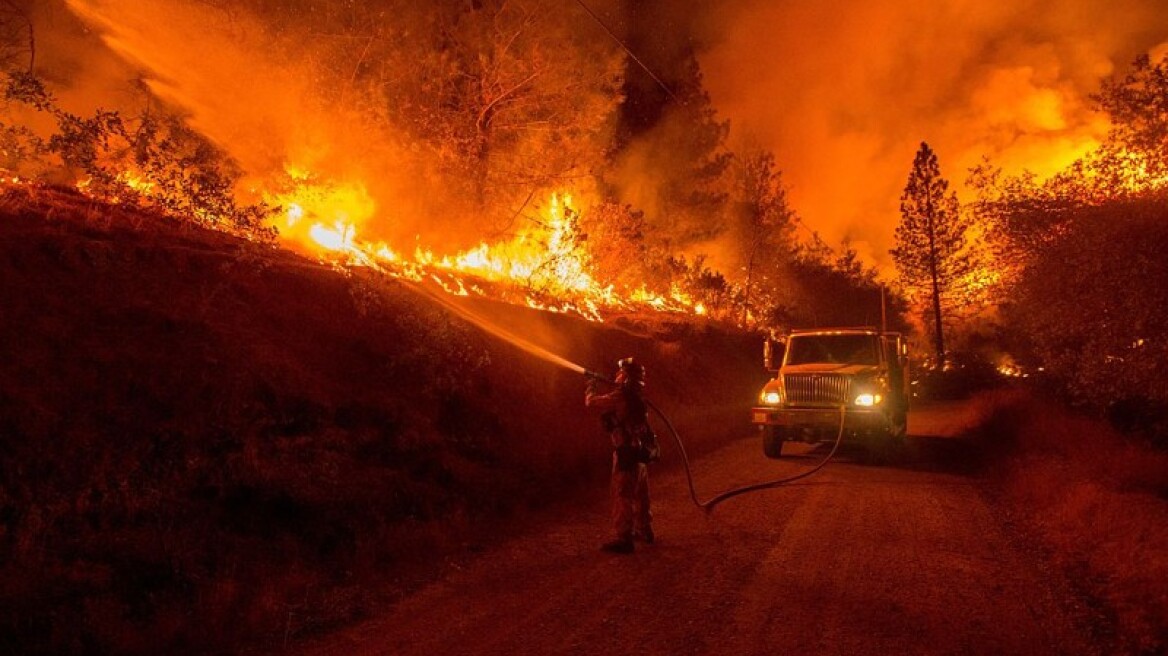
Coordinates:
883 311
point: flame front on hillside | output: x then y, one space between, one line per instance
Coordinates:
545 266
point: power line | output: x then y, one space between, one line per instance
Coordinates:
626 49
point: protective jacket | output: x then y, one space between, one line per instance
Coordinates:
626 419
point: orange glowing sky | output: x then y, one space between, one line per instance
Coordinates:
844 92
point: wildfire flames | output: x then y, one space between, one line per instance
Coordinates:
351 149
544 266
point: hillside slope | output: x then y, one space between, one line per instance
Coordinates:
196 430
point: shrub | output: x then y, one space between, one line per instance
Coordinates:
1093 307
155 161
1098 501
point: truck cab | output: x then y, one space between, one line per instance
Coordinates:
824 376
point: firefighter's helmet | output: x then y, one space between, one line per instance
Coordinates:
634 371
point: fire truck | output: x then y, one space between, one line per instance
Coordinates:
857 377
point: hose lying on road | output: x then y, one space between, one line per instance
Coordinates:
709 504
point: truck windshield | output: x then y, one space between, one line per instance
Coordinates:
838 349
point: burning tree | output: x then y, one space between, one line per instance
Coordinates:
154 160
17 36
1025 216
505 99
1086 287
765 231
821 286
931 255
1138 142
445 141
672 159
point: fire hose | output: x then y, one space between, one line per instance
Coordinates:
709 504
544 354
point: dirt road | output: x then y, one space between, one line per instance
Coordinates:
859 559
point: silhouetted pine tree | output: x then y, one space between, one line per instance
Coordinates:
931 253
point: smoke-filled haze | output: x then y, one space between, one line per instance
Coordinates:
844 91
251 91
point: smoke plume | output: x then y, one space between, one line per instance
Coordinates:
255 90
841 91
844 92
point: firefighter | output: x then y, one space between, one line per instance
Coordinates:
625 417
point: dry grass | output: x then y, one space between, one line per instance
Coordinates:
1098 500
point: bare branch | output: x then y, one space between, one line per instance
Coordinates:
10 13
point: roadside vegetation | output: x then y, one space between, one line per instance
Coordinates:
1065 285
197 430
1082 458
1083 291
455 100
1096 500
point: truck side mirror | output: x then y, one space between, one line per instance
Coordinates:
771 351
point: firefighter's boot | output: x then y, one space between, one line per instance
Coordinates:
624 546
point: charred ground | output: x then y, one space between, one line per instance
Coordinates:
197 430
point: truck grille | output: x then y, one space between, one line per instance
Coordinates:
816 388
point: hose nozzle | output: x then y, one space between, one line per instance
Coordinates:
596 376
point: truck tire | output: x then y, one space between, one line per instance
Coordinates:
772 442
899 428
885 446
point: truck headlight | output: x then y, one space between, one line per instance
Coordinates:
867 399
771 397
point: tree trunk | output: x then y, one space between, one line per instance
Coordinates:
939 338
749 282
